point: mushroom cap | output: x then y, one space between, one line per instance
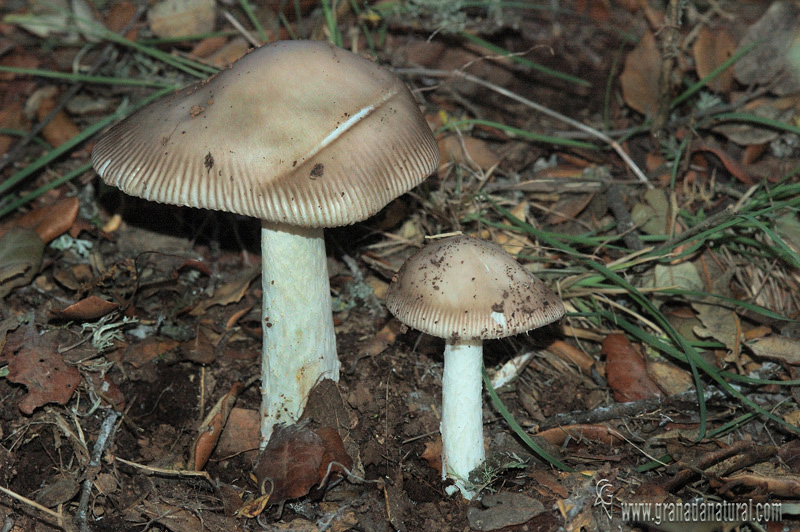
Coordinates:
464 288
296 132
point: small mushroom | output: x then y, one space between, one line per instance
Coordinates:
302 135
467 290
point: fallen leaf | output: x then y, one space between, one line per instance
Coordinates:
230 292
142 352
775 347
119 15
568 208
639 78
179 18
600 433
571 354
11 117
60 128
212 427
652 214
468 151
178 519
773 60
88 309
58 492
669 377
297 459
33 360
199 349
49 221
712 48
748 134
20 257
626 371
683 276
503 509
241 434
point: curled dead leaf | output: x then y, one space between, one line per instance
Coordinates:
298 459
626 370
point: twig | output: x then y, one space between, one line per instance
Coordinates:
241 29
55 515
709 222
180 473
622 410
94 464
669 51
16 152
540 108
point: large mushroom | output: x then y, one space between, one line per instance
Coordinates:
467 290
302 135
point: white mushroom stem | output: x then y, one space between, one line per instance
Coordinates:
299 342
462 423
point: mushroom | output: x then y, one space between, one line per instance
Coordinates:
467 290
302 135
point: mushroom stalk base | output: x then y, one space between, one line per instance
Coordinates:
299 341
462 423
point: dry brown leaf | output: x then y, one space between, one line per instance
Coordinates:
770 63
766 479
88 309
179 18
179 519
467 151
297 459
780 348
241 434
639 79
503 509
212 427
49 221
228 54
568 208
712 48
61 128
20 258
626 371
142 352
200 349
670 378
230 292
34 360
599 433
119 15
573 355
11 117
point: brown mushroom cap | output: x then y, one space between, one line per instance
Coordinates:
463 288
297 132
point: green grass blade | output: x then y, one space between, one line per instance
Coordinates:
55 153
521 133
526 62
248 10
714 74
82 78
518 430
